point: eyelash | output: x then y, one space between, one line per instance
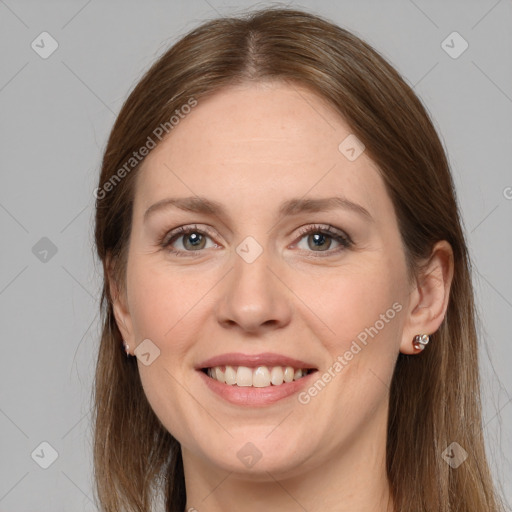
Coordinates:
343 239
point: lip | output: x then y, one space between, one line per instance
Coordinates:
254 360
254 397
248 395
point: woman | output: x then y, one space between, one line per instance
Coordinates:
286 273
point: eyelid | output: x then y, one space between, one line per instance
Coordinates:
183 230
325 228
338 235
335 233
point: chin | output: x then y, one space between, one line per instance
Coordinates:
253 455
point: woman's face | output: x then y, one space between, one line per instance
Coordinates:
258 284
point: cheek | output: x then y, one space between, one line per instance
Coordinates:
164 307
355 305
363 312
162 302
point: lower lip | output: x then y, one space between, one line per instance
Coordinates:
251 396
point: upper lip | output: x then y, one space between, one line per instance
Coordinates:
253 360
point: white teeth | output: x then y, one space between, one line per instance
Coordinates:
219 374
288 374
230 376
277 376
260 377
244 376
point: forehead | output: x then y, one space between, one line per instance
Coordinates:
257 142
274 120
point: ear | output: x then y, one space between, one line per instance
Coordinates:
119 305
429 296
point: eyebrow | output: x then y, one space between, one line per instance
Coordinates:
290 207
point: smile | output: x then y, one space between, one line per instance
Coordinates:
257 377
252 380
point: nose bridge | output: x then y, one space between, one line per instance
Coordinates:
253 297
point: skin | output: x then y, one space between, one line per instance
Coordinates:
251 147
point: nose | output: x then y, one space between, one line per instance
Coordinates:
254 298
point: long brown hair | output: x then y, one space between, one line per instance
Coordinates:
434 399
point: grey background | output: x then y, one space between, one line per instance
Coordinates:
56 114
